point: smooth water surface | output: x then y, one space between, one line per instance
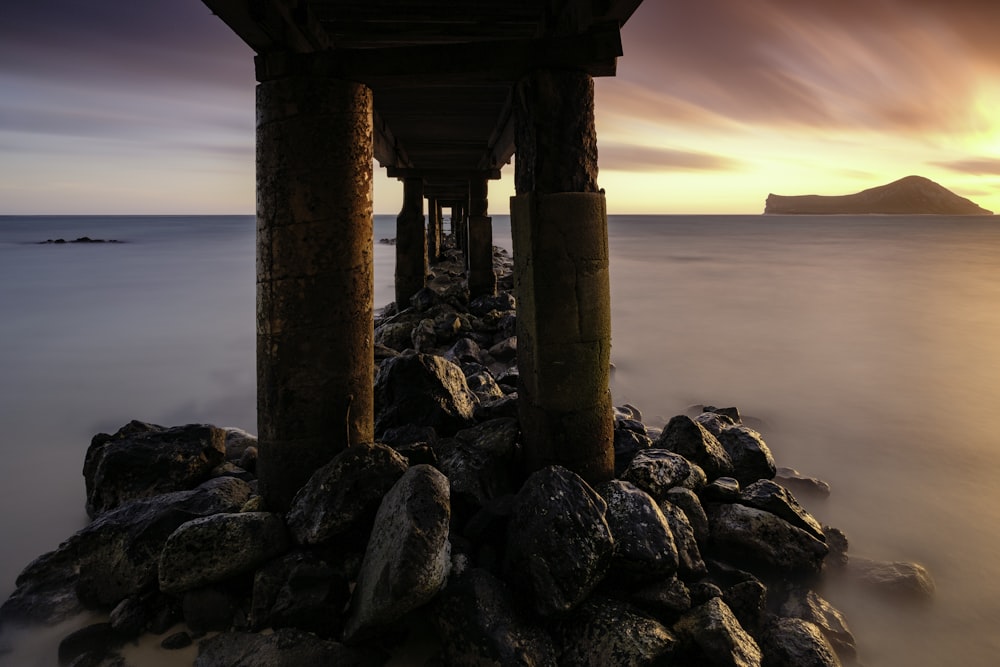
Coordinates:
869 346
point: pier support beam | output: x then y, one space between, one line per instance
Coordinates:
314 277
433 229
559 228
482 279
411 243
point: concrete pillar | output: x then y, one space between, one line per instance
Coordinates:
482 280
411 243
433 229
461 226
314 277
559 228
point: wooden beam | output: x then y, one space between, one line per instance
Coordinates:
432 175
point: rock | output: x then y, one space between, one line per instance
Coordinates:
283 648
809 606
837 541
695 443
446 327
248 461
208 609
776 499
722 489
481 305
714 422
500 408
505 350
690 564
408 434
408 555
479 624
425 299
484 387
464 350
713 628
425 390
689 503
559 545
299 590
214 548
98 638
604 632
424 336
480 463
703 591
897 578
750 455
763 540
792 642
143 460
796 482
176 641
237 441
747 600
116 556
628 443
395 335
644 544
130 617
666 599
656 471
344 493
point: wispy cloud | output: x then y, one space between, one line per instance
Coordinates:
629 157
976 166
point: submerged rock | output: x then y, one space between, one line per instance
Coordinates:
893 577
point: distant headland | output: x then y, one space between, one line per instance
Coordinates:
913 195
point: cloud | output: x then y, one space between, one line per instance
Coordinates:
975 166
627 157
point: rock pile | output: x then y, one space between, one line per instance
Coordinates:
693 555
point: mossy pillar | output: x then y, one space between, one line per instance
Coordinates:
314 277
482 280
433 229
559 228
411 243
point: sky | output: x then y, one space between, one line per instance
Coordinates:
147 107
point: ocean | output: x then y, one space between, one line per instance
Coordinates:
867 346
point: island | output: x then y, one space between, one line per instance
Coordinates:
913 195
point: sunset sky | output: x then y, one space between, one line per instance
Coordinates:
122 106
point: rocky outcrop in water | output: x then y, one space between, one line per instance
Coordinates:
913 195
693 556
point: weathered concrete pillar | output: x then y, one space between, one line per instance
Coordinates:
433 229
559 228
482 280
411 243
460 223
314 277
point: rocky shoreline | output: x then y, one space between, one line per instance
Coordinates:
697 553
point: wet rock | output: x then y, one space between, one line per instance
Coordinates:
408 555
395 335
690 564
750 455
716 633
627 444
130 617
284 648
809 606
714 422
763 540
505 350
792 642
703 591
723 489
425 299
177 641
747 600
116 556
299 590
484 387
481 305
796 482
656 471
776 499
96 639
345 493
479 624
143 460
498 408
237 442
688 502
897 578
214 548
559 545
480 463
838 543
666 599
605 632
423 337
694 442
644 544
208 609
465 350
422 389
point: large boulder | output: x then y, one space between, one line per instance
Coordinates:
345 493
644 544
214 548
792 642
750 455
694 442
605 632
143 460
559 545
422 389
479 624
408 555
809 606
656 471
715 633
284 648
116 556
776 499
763 540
